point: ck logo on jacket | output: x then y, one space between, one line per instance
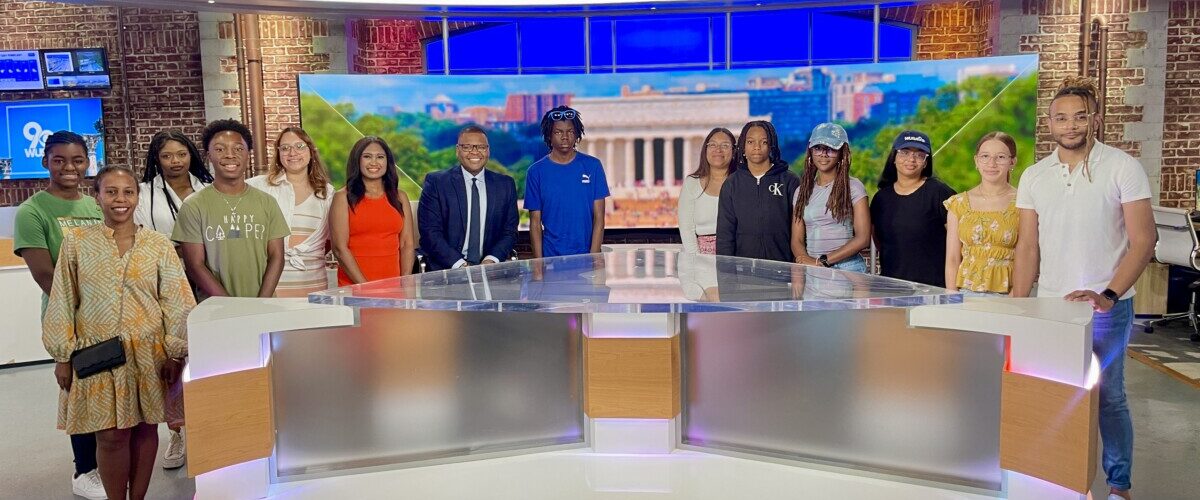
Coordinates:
776 188
586 179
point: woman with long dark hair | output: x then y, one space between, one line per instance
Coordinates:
832 222
297 179
701 192
755 208
908 215
370 217
174 171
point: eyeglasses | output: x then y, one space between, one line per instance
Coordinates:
473 148
987 158
1078 119
720 146
297 147
823 151
568 114
236 150
908 154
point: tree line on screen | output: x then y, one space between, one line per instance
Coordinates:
952 117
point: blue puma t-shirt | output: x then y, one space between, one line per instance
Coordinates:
564 194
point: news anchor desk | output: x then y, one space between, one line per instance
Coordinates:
641 370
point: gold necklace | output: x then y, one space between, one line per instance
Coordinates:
980 192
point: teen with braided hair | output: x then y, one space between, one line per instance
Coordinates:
174 171
1086 232
832 222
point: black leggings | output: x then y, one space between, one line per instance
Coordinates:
83 446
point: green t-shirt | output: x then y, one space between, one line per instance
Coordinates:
235 231
41 219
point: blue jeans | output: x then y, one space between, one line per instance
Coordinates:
1110 337
855 263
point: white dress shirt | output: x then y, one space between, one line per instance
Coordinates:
153 210
483 205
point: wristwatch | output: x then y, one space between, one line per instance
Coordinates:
823 260
1109 294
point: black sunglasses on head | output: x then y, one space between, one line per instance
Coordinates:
568 114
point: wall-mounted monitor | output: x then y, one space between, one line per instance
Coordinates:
20 70
69 69
25 126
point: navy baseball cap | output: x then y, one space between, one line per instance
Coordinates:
912 139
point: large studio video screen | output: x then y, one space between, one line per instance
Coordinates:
648 128
27 124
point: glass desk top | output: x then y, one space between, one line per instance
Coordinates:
638 280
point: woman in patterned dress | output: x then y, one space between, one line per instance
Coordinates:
300 184
981 223
119 279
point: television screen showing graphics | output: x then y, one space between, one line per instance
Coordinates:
76 68
25 126
19 70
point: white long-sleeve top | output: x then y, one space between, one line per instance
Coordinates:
697 213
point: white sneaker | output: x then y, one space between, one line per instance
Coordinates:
176 453
89 486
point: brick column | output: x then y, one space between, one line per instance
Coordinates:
952 30
387 46
1181 130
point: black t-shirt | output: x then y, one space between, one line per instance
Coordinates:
911 232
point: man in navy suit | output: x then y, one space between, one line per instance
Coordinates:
467 215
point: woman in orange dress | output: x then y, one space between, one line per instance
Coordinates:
369 218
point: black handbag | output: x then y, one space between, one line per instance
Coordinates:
98 358
106 355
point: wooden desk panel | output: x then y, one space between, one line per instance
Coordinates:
229 420
1046 430
7 257
631 377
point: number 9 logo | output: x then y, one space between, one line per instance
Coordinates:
35 135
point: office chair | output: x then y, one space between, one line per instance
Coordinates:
1178 245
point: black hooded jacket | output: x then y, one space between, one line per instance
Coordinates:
754 216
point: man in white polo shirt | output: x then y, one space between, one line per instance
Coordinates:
1085 218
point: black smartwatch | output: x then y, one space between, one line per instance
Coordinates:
1110 295
823 260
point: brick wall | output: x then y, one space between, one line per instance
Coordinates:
1134 111
288 49
1181 130
953 30
388 46
159 72
291 45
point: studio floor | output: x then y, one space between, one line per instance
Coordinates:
35 458
1169 349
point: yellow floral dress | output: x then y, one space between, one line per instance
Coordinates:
989 241
97 293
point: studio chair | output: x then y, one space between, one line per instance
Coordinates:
1178 246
